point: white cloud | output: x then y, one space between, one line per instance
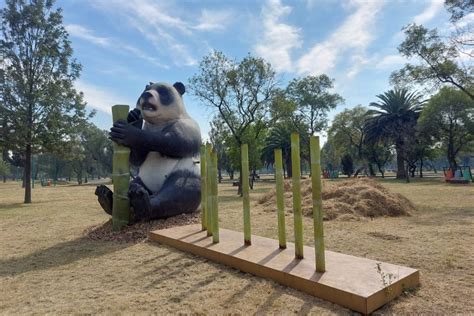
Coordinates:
100 98
164 28
390 62
278 38
429 12
351 38
86 34
213 20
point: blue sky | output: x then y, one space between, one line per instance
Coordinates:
124 44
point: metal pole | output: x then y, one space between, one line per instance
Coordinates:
317 204
280 197
296 185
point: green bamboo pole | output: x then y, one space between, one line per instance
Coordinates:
203 188
215 211
120 175
317 204
208 189
280 198
245 191
296 185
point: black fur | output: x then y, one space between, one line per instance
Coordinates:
177 140
169 200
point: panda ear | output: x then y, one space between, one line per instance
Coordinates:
148 86
179 86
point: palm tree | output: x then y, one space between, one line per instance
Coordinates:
280 137
394 119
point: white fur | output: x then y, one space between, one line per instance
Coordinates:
157 168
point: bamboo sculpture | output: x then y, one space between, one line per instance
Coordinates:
280 198
120 175
203 188
317 204
296 186
215 211
245 192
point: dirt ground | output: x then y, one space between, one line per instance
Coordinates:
48 266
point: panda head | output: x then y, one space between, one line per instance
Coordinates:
162 102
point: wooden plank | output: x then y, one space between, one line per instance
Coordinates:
360 284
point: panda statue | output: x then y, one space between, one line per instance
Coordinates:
165 143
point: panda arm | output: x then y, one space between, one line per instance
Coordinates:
179 139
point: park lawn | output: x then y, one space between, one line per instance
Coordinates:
48 266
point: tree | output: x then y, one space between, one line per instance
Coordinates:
240 92
279 136
379 153
38 75
347 165
449 118
4 169
314 100
440 62
459 8
347 133
394 119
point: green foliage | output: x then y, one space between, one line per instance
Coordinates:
448 118
347 165
313 100
347 132
394 119
459 8
440 63
279 136
41 106
4 168
240 91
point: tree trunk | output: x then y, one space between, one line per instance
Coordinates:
421 168
28 174
401 171
289 172
452 157
406 173
220 174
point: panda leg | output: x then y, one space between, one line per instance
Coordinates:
139 197
181 193
105 197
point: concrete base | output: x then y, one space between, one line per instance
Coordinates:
357 283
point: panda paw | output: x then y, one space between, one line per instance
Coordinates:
139 202
105 197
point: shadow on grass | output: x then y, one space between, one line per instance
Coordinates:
11 206
58 255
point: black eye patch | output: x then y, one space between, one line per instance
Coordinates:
166 97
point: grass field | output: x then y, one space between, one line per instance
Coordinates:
48 266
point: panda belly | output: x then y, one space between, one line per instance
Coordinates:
156 168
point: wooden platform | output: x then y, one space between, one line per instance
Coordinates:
357 283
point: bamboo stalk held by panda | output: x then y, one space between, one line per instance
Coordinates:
120 175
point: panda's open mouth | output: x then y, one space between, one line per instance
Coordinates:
147 106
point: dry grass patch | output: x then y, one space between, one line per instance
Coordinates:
48 266
350 199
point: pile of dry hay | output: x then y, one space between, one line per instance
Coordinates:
139 231
351 199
